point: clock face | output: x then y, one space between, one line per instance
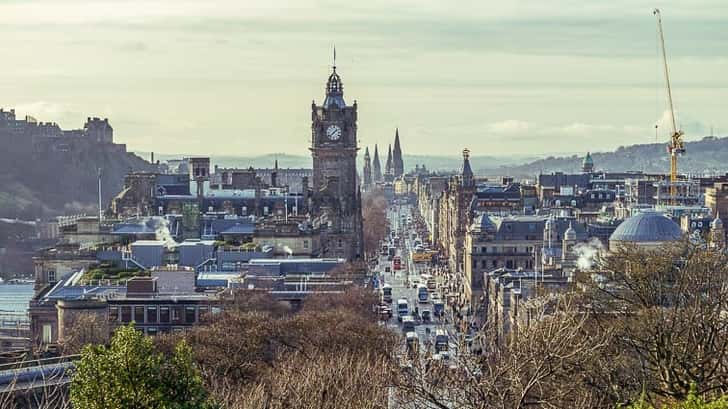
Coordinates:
333 132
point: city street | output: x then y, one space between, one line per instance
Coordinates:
402 285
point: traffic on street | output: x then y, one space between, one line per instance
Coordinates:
415 295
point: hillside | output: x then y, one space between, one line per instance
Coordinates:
708 155
48 183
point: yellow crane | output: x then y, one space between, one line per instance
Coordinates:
676 146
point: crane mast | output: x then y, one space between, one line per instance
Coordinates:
675 147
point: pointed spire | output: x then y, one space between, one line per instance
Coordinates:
376 166
467 174
388 168
397 162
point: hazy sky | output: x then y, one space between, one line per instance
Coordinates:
237 77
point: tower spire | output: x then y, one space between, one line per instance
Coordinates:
376 166
397 162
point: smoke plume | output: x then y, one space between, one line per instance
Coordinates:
588 253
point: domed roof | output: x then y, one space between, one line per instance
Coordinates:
334 91
717 223
647 227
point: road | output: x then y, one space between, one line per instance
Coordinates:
410 272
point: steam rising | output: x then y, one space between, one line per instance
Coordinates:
588 253
161 230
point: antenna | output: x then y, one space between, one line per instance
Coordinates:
101 212
334 66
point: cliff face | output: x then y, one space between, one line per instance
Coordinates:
60 176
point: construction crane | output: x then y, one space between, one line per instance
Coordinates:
676 146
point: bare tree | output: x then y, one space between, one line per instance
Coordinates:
541 367
86 328
376 224
667 308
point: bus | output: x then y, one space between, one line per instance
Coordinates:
408 324
441 340
387 293
422 293
412 341
402 308
397 262
439 308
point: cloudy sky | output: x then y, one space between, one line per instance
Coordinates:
237 77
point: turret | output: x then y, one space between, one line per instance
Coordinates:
717 232
467 173
587 166
367 168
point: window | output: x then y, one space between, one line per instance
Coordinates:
245 210
202 312
176 314
509 263
139 314
164 315
265 210
151 315
484 264
190 315
113 314
47 333
126 314
51 276
494 263
341 243
305 244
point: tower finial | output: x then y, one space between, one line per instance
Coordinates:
334 66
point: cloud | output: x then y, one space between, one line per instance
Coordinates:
45 111
509 126
134 46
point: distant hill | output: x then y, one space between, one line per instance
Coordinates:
706 156
434 162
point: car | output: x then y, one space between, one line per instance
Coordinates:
387 269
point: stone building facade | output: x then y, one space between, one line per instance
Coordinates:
454 215
336 198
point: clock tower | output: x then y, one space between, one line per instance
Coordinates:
336 198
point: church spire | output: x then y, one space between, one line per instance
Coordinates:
376 166
388 170
397 162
